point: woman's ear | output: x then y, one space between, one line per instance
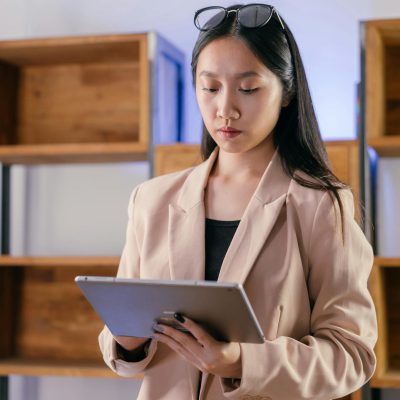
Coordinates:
286 100
287 97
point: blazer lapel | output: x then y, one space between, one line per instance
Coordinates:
186 225
257 222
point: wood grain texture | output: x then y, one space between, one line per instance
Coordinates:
144 93
71 50
175 157
70 261
388 146
89 103
375 82
73 153
384 284
23 366
91 90
52 329
383 85
54 324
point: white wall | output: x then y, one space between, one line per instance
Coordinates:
327 33
59 202
385 9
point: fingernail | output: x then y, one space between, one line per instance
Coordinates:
158 328
179 317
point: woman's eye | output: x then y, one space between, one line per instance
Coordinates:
209 90
248 91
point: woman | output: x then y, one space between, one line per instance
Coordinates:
264 210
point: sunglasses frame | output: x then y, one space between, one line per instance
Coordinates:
237 11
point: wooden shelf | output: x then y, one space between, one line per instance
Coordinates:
385 283
37 367
382 64
388 146
64 261
47 316
73 153
87 99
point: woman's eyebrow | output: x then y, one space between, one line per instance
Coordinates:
245 74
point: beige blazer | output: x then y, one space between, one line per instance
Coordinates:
308 288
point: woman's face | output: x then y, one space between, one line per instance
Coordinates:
236 90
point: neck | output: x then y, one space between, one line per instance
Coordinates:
245 165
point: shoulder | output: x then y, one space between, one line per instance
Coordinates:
308 200
310 196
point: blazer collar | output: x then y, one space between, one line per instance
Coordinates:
186 225
273 183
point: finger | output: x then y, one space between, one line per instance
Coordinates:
179 349
205 339
187 341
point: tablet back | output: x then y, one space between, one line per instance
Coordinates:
129 307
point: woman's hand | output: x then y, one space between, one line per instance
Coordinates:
201 349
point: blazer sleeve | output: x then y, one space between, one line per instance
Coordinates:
337 357
129 267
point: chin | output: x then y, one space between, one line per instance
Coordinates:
232 148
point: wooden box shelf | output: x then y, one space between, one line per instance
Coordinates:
343 155
385 283
84 98
382 60
52 329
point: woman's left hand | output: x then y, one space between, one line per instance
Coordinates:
201 349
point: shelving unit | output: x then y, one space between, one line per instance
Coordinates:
83 99
381 117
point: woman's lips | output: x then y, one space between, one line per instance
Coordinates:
229 133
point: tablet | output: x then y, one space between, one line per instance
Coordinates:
129 307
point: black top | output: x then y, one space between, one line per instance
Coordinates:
219 235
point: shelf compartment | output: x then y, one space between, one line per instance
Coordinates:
75 90
383 85
82 98
385 281
51 328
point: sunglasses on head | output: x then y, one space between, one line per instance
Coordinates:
248 16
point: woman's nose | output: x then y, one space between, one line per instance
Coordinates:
226 108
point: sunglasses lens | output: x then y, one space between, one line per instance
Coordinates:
253 16
209 18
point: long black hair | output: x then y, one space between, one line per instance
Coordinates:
296 135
